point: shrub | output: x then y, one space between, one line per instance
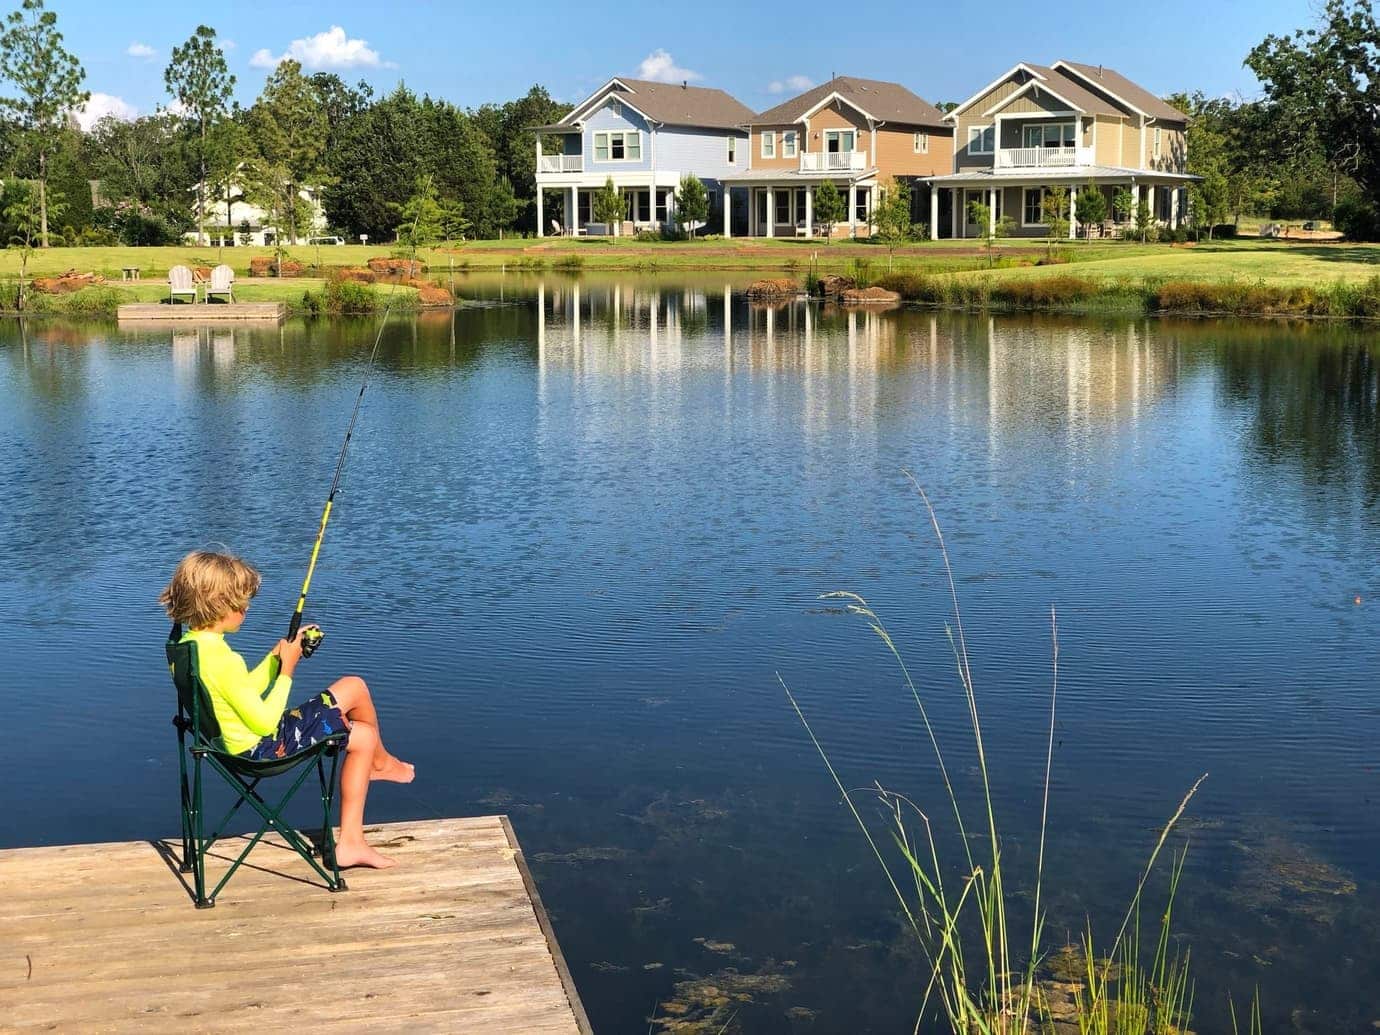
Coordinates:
1357 219
861 272
648 234
349 296
313 303
569 262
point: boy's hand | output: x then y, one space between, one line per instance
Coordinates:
289 654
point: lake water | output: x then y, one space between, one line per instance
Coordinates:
584 529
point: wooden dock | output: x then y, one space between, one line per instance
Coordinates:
106 938
201 312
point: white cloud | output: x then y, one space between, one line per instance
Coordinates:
140 50
99 106
660 67
329 49
227 44
793 83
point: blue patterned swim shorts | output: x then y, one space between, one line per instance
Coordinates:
313 720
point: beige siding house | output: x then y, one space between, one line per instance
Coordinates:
857 133
1083 127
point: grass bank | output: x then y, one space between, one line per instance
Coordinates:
1080 293
305 296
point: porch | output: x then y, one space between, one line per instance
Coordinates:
1022 201
567 210
782 204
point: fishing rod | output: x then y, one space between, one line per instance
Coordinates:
312 635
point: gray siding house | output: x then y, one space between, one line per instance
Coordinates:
645 136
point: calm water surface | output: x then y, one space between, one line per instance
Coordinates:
585 526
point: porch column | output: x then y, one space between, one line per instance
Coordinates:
670 206
752 211
955 203
541 216
852 209
1150 200
1073 212
809 211
1135 202
728 211
1174 208
992 212
934 213
572 219
771 211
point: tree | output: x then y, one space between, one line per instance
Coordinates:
49 80
692 204
1054 205
1090 208
891 219
992 230
1207 199
1322 87
830 208
424 219
198 79
289 124
22 223
509 129
608 206
1123 204
1145 219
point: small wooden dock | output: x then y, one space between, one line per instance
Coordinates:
105 938
201 312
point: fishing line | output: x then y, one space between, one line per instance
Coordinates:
313 635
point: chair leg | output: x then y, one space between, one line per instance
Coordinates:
327 832
199 848
186 804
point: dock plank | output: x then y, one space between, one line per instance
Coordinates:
105 937
200 312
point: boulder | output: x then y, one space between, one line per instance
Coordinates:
831 285
431 295
267 266
869 296
397 267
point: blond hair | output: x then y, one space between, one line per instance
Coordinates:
207 586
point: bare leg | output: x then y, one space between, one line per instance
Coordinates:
352 695
351 849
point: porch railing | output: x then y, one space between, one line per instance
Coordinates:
1043 157
833 161
561 164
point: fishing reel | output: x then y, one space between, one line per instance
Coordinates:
311 638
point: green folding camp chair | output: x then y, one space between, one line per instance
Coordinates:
196 720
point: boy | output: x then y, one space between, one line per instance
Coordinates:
209 595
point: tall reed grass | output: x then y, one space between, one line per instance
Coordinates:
983 966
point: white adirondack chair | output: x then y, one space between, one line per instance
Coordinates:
180 283
222 283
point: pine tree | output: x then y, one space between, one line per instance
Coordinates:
197 77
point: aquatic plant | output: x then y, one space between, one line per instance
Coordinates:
995 991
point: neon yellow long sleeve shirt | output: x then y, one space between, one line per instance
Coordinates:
248 704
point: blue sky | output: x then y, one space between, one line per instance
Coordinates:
469 52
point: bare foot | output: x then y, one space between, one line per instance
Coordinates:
361 855
395 770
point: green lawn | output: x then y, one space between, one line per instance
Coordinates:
1273 262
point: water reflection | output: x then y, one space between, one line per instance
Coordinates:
585 524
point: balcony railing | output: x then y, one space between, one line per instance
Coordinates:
1043 157
561 164
833 161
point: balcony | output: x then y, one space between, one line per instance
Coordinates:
1043 157
561 163
833 161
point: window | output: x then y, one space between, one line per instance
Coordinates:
1033 208
638 205
783 207
788 144
586 215
860 216
981 140
768 143
732 150
618 146
922 143
1049 134
663 199
1157 141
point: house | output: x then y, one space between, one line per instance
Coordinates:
857 133
231 219
1068 124
645 136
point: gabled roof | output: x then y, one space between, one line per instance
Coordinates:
887 102
671 104
1068 82
1137 98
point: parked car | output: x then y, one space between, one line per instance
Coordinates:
1310 225
326 240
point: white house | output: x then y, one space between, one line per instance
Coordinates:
230 216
